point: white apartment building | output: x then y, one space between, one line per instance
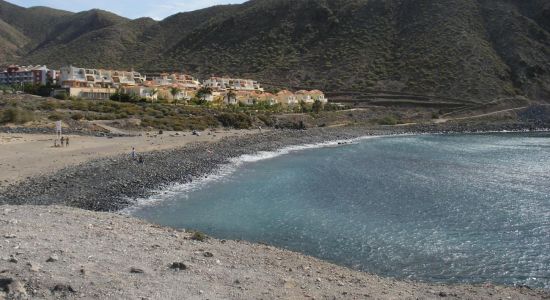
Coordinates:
318 95
142 92
222 84
91 93
80 77
181 80
310 97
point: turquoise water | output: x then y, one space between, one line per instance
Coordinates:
444 208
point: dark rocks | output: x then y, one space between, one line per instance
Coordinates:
12 288
178 266
199 236
34 267
536 114
208 254
63 288
53 258
4 283
135 270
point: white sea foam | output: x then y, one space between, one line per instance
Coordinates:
181 189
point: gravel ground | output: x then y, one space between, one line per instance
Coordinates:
53 252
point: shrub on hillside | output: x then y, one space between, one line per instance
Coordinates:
16 116
77 116
285 124
268 121
388 120
55 117
180 123
123 97
48 105
235 120
62 96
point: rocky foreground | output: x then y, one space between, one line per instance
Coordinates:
52 252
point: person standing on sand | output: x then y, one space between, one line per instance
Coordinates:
62 140
67 142
133 153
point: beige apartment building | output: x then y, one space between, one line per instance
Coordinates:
97 84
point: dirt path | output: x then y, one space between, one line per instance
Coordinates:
105 125
60 252
443 120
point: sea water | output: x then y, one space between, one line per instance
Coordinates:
441 208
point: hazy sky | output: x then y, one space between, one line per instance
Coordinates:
156 9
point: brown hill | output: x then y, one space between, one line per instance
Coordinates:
467 51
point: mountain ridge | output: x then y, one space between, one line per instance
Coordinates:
475 50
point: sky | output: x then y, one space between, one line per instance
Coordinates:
156 9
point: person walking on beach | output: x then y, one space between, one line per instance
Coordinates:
67 142
62 141
133 153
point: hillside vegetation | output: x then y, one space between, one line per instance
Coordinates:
470 51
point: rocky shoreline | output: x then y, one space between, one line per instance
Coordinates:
112 184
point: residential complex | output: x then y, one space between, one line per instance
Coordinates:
310 96
80 77
177 80
223 84
101 84
18 75
286 97
97 84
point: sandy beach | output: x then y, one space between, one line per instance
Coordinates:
30 155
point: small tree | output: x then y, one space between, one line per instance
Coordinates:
175 91
317 106
153 92
231 95
29 88
203 92
62 96
303 106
